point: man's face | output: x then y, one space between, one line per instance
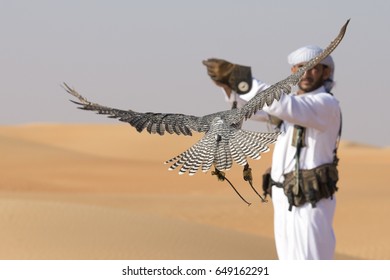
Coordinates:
313 78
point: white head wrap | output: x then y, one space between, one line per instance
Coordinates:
306 53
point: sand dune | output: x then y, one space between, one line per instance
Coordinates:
102 192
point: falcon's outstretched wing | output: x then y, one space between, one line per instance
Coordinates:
268 95
152 122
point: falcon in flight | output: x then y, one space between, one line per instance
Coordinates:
224 140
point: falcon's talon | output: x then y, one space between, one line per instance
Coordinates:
247 173
221 177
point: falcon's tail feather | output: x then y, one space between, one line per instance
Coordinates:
250 144
238 147
200 154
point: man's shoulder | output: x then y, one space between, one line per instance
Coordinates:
325 96
325 102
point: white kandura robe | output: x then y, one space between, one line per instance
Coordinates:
305 232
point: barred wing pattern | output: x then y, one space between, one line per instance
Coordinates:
220 146
153 122
275 91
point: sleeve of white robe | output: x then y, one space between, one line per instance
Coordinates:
317 110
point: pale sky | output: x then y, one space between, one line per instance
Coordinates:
146 55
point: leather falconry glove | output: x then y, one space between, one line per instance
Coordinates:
237 77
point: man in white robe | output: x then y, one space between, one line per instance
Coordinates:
303 232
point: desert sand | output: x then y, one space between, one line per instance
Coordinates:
103 192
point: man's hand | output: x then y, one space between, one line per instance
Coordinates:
236 77
219 70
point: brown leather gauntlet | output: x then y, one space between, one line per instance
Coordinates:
237 77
